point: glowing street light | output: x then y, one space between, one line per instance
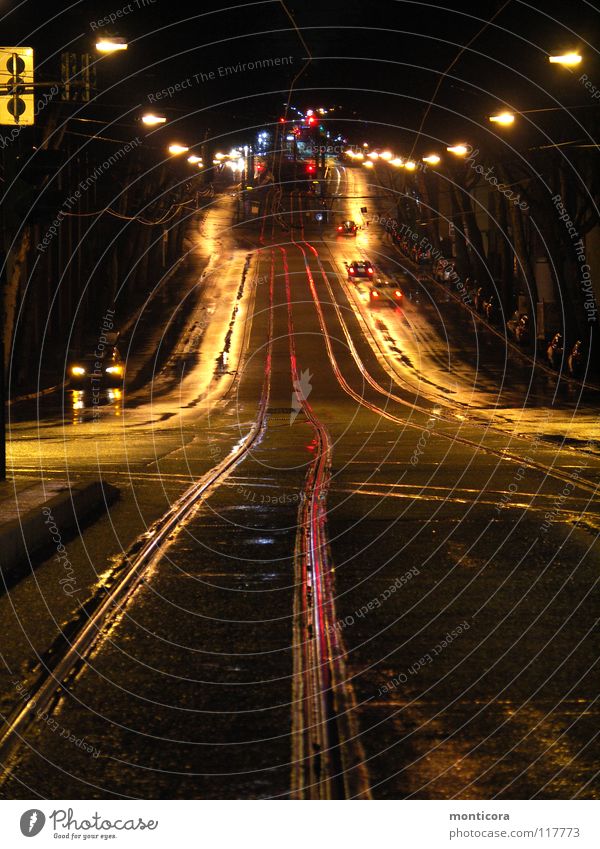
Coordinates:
568 60
111 45
458 149
432 159
360 156
505 119
368 164
193 159
410 165
177 149
397 162
152 120
373 155
387 155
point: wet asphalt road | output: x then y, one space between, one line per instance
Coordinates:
465 575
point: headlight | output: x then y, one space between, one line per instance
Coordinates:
77 370
114 370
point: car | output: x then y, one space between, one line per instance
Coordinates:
97 364
360 268
385 293
347 228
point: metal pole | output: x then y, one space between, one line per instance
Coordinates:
2 388
3 284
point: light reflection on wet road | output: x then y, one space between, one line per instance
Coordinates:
465 583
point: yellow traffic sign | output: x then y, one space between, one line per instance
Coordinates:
16 86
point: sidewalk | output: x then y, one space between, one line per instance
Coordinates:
35 515
521 354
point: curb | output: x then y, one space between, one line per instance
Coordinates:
33 395
30 534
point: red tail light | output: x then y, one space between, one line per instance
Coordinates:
398 293
350 271
340 229
369 270
374 294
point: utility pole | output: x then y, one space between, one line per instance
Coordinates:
16 109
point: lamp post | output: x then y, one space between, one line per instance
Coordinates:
459 149
567 60
503 119
111 45
152 120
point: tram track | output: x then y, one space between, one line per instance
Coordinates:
328 760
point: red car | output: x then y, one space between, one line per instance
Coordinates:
385 292
347 228
360 268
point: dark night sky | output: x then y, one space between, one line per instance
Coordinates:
379 60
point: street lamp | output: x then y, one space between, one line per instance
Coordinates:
387 155
505 119
152 120
410 165
458 149
193 159
432 159
368 164
176 149
397 162
567 60
111 45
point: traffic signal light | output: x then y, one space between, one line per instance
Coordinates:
16 81
310 168
78 76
